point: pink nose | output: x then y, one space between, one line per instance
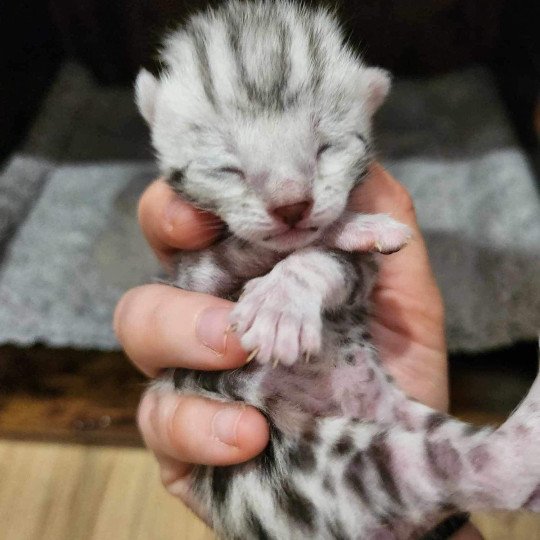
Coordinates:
291 214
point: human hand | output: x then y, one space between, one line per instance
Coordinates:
408 312
158 327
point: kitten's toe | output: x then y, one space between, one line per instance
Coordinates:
260 336
310 337
252 355
392 238
287 345
377 232
276 321
243 315
282 338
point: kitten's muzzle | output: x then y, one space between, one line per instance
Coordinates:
292 214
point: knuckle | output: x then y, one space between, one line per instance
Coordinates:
138 320
172 423
406 200
438 313
121 314
161 418
403 199
148 201
145 205
145 414
128 309
175 423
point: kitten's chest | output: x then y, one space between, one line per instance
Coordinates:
244 260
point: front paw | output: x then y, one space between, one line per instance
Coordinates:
278 321
368 233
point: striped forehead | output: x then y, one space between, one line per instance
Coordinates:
265 58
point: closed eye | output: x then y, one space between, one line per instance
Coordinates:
322 149
231 170
361 138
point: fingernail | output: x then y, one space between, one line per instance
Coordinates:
211 328
225 423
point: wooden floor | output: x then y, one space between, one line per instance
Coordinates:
92 480
51 491
87 397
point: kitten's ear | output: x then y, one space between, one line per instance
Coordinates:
377 84
146 87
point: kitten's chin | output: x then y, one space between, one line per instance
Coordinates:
290 240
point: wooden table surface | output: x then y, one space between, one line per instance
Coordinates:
89 477
52 491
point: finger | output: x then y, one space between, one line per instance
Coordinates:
184 430
406 279
170 224
160 326
408 270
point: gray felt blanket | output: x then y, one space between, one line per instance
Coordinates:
71 244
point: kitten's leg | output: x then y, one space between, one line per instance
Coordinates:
367 232
279 314
390 474
363 389
338 477
362 476
382 481
508 465
485 469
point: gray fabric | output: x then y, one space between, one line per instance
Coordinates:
77 177
79 248
81 121
449 141
78 122
20 184
453 116
481 218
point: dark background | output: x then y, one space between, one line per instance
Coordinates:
409 37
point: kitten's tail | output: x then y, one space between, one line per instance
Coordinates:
458 465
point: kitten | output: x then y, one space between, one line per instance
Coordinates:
263 117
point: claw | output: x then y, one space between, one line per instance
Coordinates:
390 251
276 362
307 357
252 355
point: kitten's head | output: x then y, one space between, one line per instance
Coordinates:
263 117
